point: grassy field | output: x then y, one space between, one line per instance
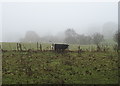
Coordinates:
49 67
46 46
33 46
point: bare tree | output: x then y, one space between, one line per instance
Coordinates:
116 38
74 38
70 36
97 38
31 36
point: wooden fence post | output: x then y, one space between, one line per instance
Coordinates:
20 46
79 49
0 47
40 47
37 46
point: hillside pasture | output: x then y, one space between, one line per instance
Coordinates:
30 67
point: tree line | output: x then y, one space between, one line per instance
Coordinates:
71 37
74 38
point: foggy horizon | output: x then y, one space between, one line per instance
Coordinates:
48 19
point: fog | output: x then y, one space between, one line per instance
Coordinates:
52 19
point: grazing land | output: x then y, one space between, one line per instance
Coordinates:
49 67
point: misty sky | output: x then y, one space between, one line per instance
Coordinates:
52 18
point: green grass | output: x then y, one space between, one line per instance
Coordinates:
68 68
47 46
37 67
13 45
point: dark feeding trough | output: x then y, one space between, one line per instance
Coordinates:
60 47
